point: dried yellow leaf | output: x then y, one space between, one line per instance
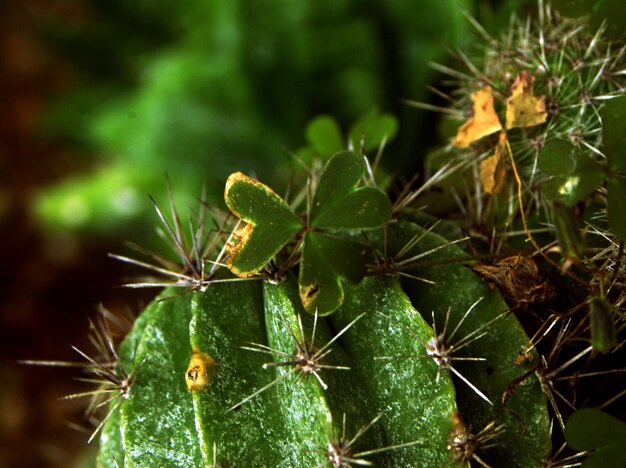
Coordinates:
492 170
523 109
484 122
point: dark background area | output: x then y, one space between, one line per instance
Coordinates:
50 283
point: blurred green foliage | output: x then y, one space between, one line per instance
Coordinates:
199 89
590 429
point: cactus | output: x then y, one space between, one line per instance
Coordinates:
374 357
334 327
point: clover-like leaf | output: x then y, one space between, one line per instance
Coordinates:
614 133
523 109
326 260
602 325
372 129
271 224
617 206
324 135
592 429
338 204
325 138
568 232
558 157
573 187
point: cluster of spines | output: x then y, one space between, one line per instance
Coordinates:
110 379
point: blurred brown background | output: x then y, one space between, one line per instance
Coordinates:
49 284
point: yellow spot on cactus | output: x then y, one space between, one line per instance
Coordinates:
199 370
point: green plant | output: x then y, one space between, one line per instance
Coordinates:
179 86
248 371
591 429
329 327
384 393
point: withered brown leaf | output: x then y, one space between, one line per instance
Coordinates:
493 170
518 279
523 109
484 122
